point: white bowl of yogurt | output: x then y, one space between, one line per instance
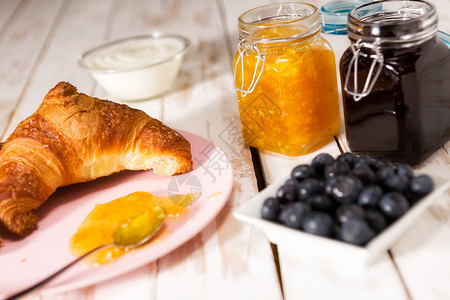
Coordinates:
137 68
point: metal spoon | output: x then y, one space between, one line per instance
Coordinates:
128 235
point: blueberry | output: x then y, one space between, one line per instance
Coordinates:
287 193
350 198
378 164
389 163
397 183
348 158
346 189
364 173
364 159
320 162
406 170
318 223
271 209
370 196
349 211
329 182
338 167
282 217
320 202
383 173
301 172
292 182
292 214
308 187
420 186
393 205
376 220
356 231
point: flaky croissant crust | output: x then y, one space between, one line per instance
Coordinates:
75 138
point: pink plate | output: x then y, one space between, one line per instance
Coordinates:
26 261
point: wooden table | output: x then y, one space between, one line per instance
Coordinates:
39 45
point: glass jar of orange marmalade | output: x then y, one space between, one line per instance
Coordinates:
285 78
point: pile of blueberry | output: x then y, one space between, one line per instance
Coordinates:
351 198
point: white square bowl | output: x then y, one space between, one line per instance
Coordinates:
331 249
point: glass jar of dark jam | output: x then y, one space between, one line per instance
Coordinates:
396 81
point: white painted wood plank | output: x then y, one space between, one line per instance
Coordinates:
7 9
422 255
134 285
248 285
227 260
130 18
205 95
438 163
443 9
58 59
21 41
306 280
276 166
68 35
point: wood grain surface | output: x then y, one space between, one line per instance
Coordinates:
40 42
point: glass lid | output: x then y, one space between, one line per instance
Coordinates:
334 15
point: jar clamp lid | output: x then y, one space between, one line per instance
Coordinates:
289 15
243 47
385 24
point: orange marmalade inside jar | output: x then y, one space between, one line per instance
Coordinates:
293 108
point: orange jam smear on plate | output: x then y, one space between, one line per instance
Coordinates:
99 226
294 108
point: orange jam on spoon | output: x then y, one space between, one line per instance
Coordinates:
101 225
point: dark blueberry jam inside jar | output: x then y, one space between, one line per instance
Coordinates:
396 81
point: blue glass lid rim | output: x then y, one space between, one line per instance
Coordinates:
335 22
342 29
444 36
340 5
334 14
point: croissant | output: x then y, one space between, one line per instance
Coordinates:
75 138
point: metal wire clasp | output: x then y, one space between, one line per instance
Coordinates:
373 73
243 49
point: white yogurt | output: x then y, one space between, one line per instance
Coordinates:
134 54
137 68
